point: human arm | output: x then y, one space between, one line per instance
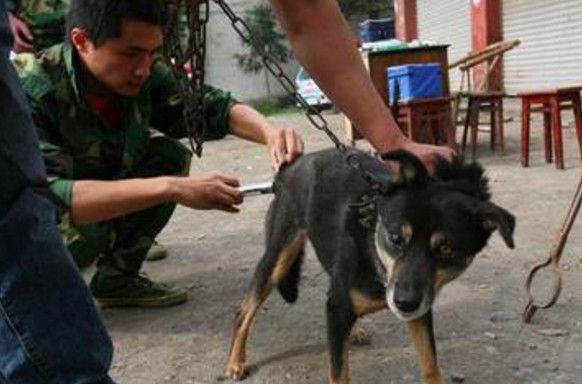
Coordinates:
23 39
223 114
95 200
283 144
91 200
322 42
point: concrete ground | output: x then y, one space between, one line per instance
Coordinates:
480 336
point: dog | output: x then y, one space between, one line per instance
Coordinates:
394 249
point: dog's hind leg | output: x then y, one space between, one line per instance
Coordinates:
421 333
340 320
279 258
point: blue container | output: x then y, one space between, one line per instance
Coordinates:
376 29
415 81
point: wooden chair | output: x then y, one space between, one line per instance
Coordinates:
550 103
491 102
481 98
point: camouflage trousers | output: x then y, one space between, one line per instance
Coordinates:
123 243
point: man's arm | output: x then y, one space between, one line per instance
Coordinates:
323 44
94 200
23 39
283 144
91 201
223 115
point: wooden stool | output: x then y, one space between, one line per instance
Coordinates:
427 120
478 102
550 102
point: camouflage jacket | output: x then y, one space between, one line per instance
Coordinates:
77 143
45 18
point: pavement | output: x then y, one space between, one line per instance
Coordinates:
479 332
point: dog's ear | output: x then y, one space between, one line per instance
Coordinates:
494 217
411 169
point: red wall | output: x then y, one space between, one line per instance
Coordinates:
486 29
405 19
486 26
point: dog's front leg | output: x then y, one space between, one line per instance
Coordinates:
340 320
421 332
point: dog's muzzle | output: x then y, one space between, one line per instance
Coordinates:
407 309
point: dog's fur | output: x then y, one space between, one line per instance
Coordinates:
421 233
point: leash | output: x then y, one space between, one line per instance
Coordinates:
193 52
553 260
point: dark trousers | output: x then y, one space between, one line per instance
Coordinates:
50 331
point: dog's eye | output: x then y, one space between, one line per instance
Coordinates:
395 239
445 250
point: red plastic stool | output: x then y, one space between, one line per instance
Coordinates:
550 102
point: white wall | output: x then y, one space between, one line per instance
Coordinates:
221 66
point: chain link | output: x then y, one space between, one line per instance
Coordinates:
177 56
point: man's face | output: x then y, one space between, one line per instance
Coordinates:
123 64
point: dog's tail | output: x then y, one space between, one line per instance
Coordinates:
289 286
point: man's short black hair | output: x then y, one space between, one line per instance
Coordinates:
101 19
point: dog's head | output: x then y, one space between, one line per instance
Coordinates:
429 229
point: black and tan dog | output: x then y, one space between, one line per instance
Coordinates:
421 233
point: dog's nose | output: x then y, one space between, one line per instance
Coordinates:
406 300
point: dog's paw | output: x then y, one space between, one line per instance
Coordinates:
236 371
359 336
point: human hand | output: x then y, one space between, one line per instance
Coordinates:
23 38
284 146
207 191
426 153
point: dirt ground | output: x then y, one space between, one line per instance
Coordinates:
480 335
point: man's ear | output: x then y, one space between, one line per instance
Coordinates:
494 217
411 169
80 40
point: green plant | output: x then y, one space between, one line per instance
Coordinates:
264 28
366 8
273 106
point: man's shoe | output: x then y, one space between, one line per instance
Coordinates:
122 290
156 252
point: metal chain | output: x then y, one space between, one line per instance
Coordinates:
194 53
192 87
313 115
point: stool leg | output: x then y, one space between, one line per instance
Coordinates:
414 127
557 132
548 135
474 128
450 128
432 133
493 127
525 132
466 126
500 128
576 106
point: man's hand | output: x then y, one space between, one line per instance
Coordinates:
428 154
207 191
23 39
284 146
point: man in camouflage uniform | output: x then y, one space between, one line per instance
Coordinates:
36 24
108 118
